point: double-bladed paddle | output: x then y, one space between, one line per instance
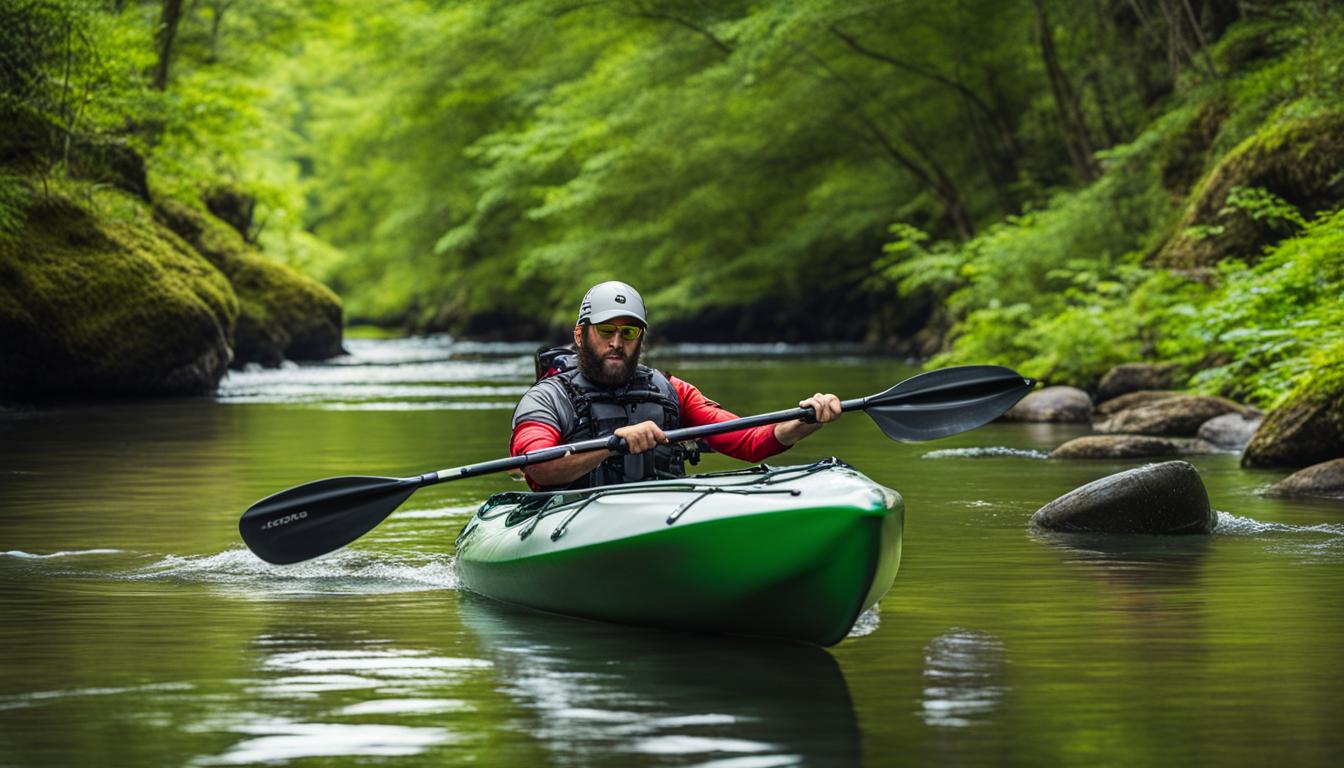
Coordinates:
322 516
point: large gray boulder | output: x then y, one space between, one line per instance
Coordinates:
1230 431
1167 498
1324 479
1132 377
1135 399
1129 447
1065 404
1176 416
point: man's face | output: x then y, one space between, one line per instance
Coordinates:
611 361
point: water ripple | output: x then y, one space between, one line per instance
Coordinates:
430 373
1235 525
867 622
276 741
991 451
342 572
52 555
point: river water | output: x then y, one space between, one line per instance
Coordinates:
138 631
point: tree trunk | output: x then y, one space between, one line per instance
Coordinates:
996 121
1070 114
1203 44
924 167
171 14
216 18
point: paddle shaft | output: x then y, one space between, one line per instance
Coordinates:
322 516
616 444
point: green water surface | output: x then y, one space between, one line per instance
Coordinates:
137 631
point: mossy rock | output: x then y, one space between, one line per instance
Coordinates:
96 307
284 314
1301 162
1182 157
1307 429
233 207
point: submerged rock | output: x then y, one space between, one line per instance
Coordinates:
1167 498
284 315
1231 430
1307 429
1176 416
1133 377
1128 447
1135 399
1061 404
90 306
1324 479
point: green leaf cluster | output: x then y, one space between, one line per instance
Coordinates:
489 159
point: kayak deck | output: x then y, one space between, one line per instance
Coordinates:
789 552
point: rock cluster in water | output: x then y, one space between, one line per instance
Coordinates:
1180 416
1138 415
1167 498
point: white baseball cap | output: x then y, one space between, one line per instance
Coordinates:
609 300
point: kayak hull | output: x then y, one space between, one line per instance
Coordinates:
793 552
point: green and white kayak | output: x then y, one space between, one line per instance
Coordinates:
793 552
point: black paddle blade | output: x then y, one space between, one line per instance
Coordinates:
947 401
320 517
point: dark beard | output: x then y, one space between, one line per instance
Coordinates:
593 367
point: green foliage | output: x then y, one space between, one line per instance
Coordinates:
1268 325
74 79
1063 292
14 198
1262 205
720 154
912 266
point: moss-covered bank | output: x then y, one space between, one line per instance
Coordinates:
99 296
91 306
1261 191
283 314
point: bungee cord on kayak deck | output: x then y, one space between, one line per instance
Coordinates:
554 502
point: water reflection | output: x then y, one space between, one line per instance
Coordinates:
340 684
597 694
279 741
1150 583
962 678
1136 561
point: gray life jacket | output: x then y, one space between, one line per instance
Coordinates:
600 411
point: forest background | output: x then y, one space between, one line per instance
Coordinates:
1055 185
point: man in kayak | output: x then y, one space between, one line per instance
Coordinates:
609 391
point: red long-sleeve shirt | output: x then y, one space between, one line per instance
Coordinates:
751 445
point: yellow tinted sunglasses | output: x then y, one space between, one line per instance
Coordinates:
628 332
